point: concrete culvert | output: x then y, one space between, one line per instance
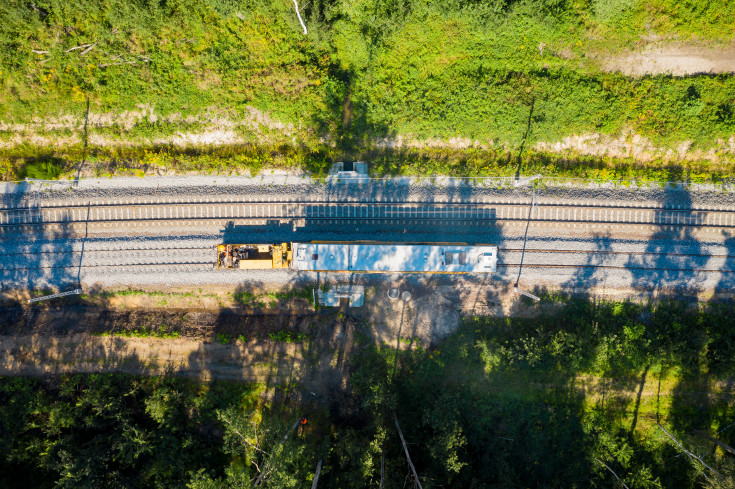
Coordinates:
393 294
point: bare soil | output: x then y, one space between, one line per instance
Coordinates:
218 127
47 341
235 343
675 58
207 335
203 325
37 355
216 338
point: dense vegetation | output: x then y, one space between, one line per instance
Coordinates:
156 75
541 402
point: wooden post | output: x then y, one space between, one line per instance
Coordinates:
405 449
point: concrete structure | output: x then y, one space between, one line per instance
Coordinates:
355 295
348 171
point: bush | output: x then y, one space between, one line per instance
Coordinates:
45 170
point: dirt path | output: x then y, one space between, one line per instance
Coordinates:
289 352
677 59
255 361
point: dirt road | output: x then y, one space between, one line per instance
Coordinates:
678 59
254 361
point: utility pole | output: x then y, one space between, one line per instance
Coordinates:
316 476
532 181
405 449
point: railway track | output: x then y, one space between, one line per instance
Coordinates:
205 266
190 259
111 250
199 260
349 199
500 250
488 212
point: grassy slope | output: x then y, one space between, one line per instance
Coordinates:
412 68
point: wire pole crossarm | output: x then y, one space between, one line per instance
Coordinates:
54 296
527 294
524 181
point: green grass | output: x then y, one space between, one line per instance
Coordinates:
162 296
224 339
284 336
271 299
142 333
549 400
132 293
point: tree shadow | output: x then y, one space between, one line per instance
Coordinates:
673 254
524 139
676 266
726 284
497 423
300 357
38 255
589 276
347 120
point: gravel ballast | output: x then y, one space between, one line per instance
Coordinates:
602 255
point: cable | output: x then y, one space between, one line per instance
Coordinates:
525 235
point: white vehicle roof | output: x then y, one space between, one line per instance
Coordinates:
390 257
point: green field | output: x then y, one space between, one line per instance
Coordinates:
223 85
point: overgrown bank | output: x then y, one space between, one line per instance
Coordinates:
225 86
256 160
559 400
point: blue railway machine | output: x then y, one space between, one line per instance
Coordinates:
361 257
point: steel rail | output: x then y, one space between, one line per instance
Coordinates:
500 250
503 265
571 204
610 252
383 211
614 267
396 219
500 264
505 250
120 250
116 265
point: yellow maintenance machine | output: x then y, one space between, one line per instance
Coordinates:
254 256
